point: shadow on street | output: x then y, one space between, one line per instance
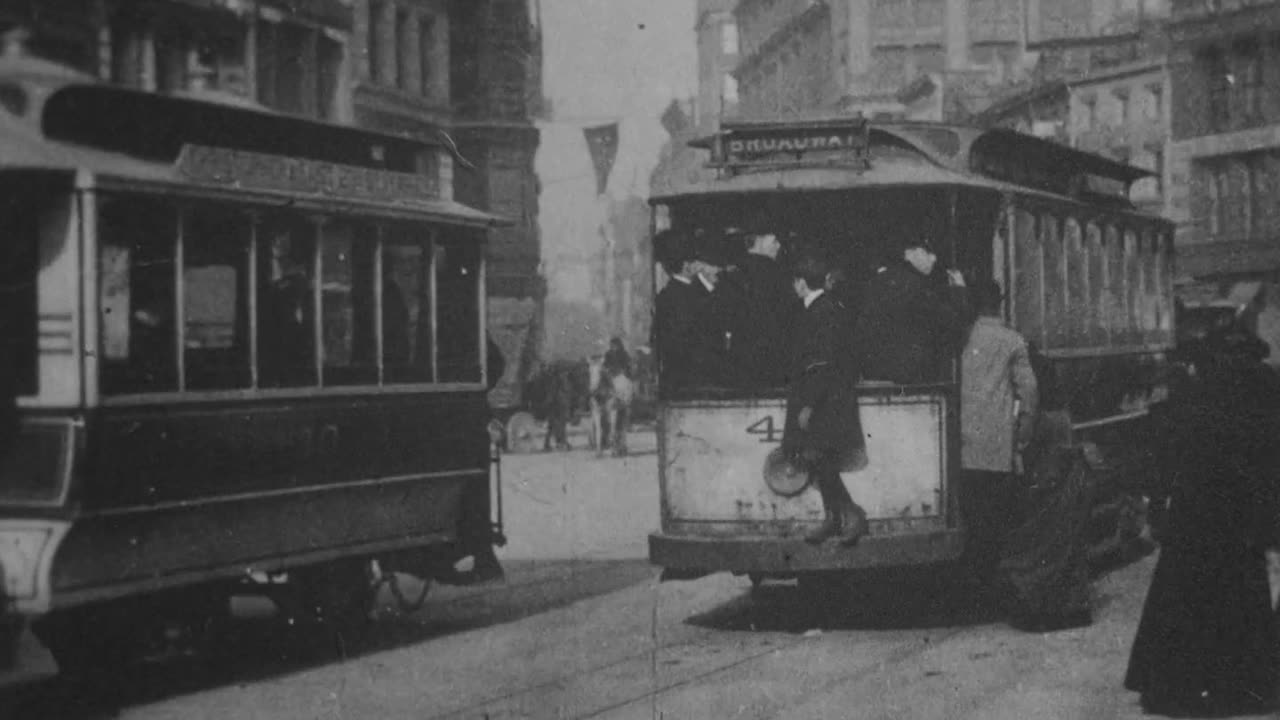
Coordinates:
248 651
893 599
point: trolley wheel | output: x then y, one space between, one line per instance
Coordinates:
340 595
522 432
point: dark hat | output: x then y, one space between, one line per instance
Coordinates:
919 241
672 248
710 250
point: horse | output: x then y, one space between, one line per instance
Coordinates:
611 396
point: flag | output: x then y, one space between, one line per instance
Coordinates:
602 141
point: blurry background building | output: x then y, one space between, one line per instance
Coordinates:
1224 157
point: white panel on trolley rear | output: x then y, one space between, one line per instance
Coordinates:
715 455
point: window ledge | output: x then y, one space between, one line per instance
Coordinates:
385 95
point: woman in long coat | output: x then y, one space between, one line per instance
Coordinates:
1207 642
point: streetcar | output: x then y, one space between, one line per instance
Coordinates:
1087 280
248 353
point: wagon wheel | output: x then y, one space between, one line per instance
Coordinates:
522 433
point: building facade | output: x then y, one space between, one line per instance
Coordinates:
896 57
718 45
286 56
1225 151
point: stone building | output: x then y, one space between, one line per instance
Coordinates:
287 56
896 57
1224 156
718 44
468 71
1225 151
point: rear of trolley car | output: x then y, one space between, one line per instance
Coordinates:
1087 279
248 355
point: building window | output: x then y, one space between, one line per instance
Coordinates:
1122 106
374 48
404 73
1155 110
1248 82
729 38
1219 82
729 95
1219 195
426 45
1088 112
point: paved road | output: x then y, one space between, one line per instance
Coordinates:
581 628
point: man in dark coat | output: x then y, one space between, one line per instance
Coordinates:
822 431
1207 643
910 319
764 310
685 330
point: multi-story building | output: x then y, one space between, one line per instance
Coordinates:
1123 112
900 57
290 57
1224 156
470 72
718 44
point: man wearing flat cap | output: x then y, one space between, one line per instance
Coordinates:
911 318
823 433
685 329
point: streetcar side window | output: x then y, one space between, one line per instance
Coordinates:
215 299
1094 317
1077 283
407 334
1028 277
137 295
1132 289
347 305
1055 282
286 302
458 309
1115 311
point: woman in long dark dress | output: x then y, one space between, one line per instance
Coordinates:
1207 642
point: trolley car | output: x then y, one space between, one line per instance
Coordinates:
247 349
1087 280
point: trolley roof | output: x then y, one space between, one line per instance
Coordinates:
844 153
55 119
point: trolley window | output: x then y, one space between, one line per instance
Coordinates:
19 266
209 297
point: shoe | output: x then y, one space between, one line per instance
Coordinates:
829 528
854 525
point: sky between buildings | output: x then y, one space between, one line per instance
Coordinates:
616 60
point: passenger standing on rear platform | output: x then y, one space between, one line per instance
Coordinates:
685 331
998 402
822 430
764 310
910 320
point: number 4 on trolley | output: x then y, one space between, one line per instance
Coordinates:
764 426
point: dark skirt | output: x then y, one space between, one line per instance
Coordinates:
1208 633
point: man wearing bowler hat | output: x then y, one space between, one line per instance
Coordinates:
685 328
822 433
911 318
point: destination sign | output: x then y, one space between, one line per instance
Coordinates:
260 171
754 145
